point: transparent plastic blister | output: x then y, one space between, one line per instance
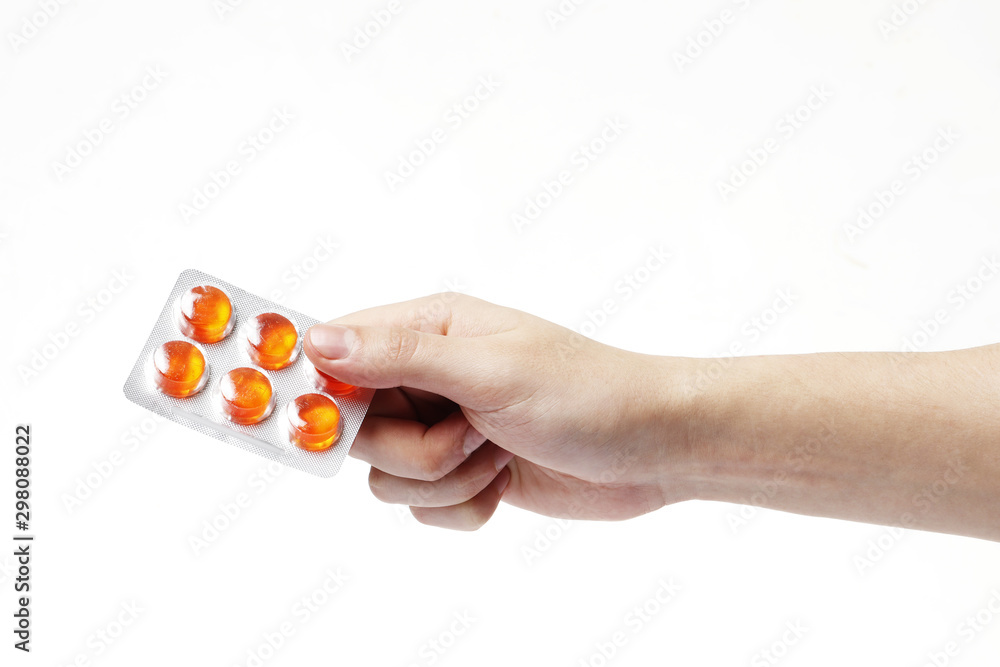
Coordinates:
237 373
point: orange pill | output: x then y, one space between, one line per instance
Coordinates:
327 383
272 341
179 369
245 396
313 422
205 314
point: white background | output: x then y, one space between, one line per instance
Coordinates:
450 224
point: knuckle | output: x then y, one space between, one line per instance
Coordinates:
433 466
432 313
449 297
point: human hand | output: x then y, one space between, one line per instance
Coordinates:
478 402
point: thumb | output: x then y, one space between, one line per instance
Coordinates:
384 357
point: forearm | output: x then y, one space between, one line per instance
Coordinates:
910 440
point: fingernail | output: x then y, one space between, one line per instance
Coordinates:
473 441
502 458
332 341
504 482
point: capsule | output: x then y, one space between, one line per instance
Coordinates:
205 314
272 341
327 383
179 369
314 422
245 396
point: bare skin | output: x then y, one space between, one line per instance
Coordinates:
479 403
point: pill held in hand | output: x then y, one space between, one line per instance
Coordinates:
314 422
327 383
271 340
205 314
178 369
244 396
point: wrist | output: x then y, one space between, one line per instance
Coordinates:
674 411
710 447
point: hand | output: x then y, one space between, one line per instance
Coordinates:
478 402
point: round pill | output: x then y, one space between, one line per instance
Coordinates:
313 422
179 369
245 396
205 314
327 383
272 341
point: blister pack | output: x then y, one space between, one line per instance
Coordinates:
228 364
